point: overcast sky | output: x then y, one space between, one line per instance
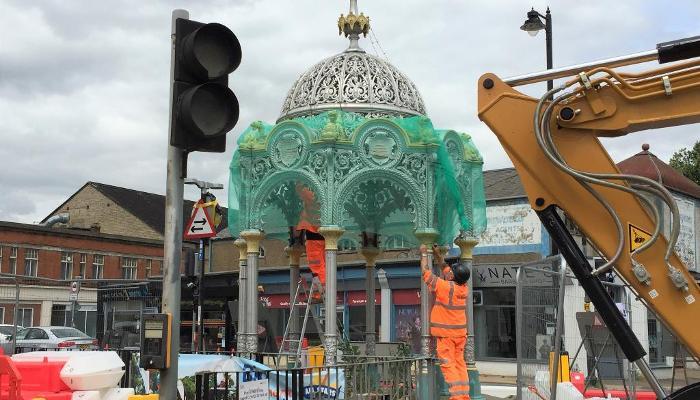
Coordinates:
84 84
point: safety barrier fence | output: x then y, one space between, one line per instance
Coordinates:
539 298
383 378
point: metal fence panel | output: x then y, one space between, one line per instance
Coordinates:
539 299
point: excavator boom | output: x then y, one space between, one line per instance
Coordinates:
554 146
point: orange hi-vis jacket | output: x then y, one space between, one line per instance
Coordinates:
448 318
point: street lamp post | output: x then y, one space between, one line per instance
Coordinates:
533 24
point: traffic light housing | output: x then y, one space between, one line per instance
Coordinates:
204 109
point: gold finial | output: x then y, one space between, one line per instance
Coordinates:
353 24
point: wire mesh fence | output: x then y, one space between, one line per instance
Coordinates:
539 298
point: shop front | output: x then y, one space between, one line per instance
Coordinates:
494 309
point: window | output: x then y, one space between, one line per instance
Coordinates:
149 264
0 258
60 316
13 260
68 333
31 262
128 268
83 265
98 266
347 245
2 315
7 330
36 334
159 263
396 242
66 265
25 316
261 252
497 317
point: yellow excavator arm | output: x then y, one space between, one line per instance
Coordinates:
553 144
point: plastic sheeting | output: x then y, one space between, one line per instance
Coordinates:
387 176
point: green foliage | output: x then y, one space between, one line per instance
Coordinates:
687 162
188 383
403 351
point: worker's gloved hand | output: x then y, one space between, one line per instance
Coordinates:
438 255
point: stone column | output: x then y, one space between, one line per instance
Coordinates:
426 236
294 253
426 381
252 238
331 234
242 295
466 246
385 333
370 254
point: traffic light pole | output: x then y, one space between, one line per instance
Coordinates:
172 240
200 298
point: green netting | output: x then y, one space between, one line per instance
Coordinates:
387 176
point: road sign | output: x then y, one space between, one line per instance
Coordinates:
200 225
74 289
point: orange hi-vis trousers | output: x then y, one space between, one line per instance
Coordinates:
450 351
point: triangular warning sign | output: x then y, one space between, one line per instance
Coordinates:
638 237
200 225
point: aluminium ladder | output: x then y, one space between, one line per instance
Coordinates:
291 347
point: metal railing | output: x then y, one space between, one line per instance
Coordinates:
383 378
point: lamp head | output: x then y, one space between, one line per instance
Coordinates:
533 24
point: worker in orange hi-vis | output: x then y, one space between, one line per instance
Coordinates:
448 321
315 244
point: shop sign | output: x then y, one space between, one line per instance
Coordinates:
254 390
503 275
282 300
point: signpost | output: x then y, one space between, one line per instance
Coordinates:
73 298
202 227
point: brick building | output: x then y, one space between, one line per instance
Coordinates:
113 234
47 259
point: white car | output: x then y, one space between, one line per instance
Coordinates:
6 332
54 338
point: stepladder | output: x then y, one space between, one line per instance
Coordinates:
306 304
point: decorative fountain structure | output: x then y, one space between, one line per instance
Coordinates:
353 132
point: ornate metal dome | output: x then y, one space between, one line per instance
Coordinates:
353 81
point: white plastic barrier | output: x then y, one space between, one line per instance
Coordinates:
84 370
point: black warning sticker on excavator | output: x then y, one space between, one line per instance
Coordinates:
638 237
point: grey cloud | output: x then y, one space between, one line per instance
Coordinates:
84 84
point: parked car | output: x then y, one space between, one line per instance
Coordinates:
6 332
54 338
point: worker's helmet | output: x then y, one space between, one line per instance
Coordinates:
461 273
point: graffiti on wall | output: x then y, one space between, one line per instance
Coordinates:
508 225
685 247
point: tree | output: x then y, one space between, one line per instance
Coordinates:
687 162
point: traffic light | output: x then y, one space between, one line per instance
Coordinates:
204 109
